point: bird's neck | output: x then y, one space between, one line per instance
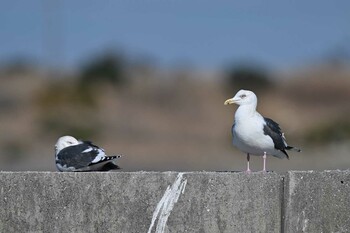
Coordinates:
245 111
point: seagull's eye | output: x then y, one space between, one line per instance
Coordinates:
243 96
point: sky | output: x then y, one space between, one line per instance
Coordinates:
201 33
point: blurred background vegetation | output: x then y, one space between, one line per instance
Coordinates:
169 117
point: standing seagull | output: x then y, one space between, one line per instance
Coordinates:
73 155
255 134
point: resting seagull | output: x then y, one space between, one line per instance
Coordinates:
255 134
73 155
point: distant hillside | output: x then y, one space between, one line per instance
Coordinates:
173 123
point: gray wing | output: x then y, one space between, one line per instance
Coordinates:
273 130
89 143
77 156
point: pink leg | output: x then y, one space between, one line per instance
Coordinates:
264 157
248 169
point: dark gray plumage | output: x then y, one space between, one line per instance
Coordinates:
273 130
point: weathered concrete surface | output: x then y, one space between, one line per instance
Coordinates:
317 201
140 202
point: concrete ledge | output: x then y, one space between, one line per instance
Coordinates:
317 201
175 202
140 202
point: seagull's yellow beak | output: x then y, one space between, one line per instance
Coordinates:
230 101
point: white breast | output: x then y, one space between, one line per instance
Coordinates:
249 137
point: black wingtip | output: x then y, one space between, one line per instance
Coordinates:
285 152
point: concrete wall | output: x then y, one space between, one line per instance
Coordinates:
175 202
317 201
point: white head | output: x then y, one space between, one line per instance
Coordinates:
243 97
64 142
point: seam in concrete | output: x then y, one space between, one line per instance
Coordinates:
282 204
167 203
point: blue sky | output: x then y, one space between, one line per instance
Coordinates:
205 34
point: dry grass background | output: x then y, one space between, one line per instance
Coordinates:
170 121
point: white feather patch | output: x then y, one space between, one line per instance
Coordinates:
101 155
87 150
